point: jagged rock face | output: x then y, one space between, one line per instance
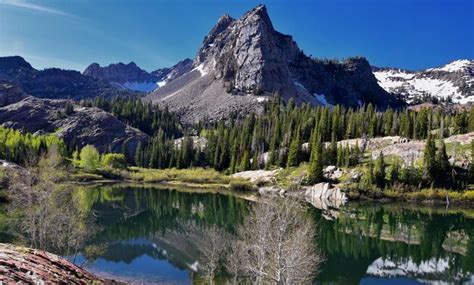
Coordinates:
455 80
10 93
131 77
86 125
54 82
247 57
126 76
165 75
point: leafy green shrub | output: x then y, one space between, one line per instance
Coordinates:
89 158
114 160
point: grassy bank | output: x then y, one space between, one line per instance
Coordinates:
192 177
422 196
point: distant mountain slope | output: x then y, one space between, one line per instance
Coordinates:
126 76
54 82
454 80
131 77
165 75
84 125
243 61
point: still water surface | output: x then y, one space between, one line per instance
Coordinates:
362 244
142 236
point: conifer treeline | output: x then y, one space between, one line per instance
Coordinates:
276 136
146 117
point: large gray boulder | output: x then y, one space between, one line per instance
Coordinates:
323 196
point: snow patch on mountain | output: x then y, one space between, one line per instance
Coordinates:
322 99
454 80
201 69
454 66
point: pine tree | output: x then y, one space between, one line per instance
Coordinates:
139 155
379 175
332 153
315 169
471 121
443 166
394 171
294 152
471 165
429 158
245 162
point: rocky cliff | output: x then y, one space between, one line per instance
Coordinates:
125 76
82 126
241 62
165 75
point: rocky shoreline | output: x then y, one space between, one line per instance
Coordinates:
26 265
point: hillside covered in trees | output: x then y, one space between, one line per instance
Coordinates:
300 138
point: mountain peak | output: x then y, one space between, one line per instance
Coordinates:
257 14
14 62
260 10
245 57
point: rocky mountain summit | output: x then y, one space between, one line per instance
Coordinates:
54 83
242 62
79 126
125 76
131 77
454 80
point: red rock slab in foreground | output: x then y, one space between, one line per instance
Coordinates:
26 265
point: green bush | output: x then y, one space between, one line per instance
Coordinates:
115 160
89 158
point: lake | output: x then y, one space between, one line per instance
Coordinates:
143 234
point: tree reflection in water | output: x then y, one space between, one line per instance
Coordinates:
173 227
43 213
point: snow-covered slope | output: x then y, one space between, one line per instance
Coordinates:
455 80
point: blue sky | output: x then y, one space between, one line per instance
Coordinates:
412 34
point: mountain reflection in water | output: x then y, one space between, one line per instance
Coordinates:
151 235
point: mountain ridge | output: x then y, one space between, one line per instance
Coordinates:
453 81
244 61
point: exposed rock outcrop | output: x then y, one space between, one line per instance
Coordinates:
31 266
10 93
242 58
261 175
85 125
324 197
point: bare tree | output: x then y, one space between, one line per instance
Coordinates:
49 214
276 245
213 243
